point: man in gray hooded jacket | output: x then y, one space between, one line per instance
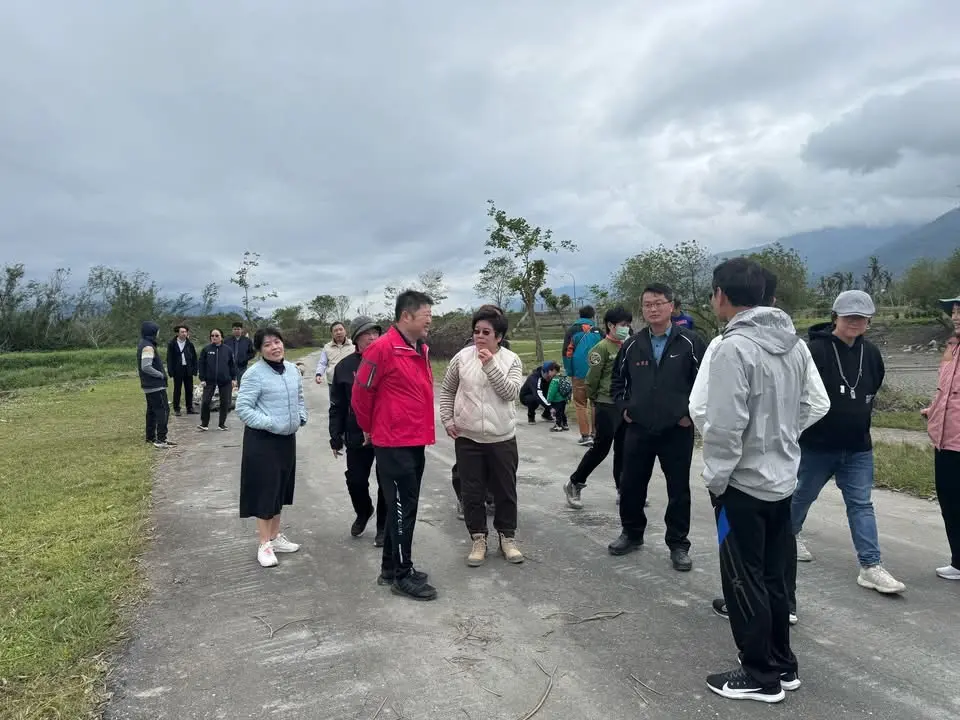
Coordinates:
758 402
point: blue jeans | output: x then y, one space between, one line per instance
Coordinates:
854 474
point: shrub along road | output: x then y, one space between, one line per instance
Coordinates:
316 637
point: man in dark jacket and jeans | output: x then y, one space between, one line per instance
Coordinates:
153 381
182 367
344 431
652 378
393 402
839 446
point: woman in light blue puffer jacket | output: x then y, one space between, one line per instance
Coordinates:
271 405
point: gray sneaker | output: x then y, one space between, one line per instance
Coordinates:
585 440
572 493
803 555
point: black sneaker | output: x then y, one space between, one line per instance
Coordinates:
738 685
788 680
408 586
720 608
222 427
531 421
202 427
624 545
385 579
378 540
177 413
681 560
359 525
566 428
556 428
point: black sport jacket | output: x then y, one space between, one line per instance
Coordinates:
656 397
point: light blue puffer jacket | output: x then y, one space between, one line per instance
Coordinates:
272 401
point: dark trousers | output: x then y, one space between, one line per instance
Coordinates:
359 464
399 472
609 428
757 548
561 409
226 393
158 413
947 472
240 372
490 466
674 448
532 403
455 478
183 383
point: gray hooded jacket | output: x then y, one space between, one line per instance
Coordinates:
758 403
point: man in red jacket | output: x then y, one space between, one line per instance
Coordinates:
393 402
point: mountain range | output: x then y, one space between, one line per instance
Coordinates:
848 249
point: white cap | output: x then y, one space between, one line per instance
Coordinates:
854 302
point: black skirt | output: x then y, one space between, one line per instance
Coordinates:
268 468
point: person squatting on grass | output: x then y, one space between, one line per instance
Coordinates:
271 405
758 401
819 401
153 382
478 410
839 445
653 374
344 432
533 394
608 422
218 373
943 418
393 402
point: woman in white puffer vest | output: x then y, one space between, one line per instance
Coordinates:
478 410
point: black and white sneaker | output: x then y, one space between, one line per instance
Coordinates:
204 428
223 427
720 608
788 680
738 685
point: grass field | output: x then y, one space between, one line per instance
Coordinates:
526 349
74 494
904 467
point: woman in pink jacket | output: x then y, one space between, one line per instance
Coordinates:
943 426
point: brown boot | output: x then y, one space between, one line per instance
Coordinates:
511 553
478 553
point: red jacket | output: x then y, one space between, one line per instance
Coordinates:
393 393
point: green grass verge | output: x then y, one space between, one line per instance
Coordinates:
900 420
904 467
74 497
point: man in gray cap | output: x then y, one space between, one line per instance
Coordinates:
345 433
839 446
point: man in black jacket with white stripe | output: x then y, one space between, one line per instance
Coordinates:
652 379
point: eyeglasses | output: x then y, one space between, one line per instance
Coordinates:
655 305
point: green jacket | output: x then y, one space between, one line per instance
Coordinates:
601 361
560 389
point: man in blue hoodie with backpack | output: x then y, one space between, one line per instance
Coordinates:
577 343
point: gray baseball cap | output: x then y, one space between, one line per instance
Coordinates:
948 303
854 302
360 325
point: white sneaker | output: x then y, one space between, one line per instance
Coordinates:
281 544
265 555
803 555
948 572
794 619
876 578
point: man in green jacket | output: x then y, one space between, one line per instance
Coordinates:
608 422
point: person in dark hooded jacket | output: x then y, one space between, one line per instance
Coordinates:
153 381
533 394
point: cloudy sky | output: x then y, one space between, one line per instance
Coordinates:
355 143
